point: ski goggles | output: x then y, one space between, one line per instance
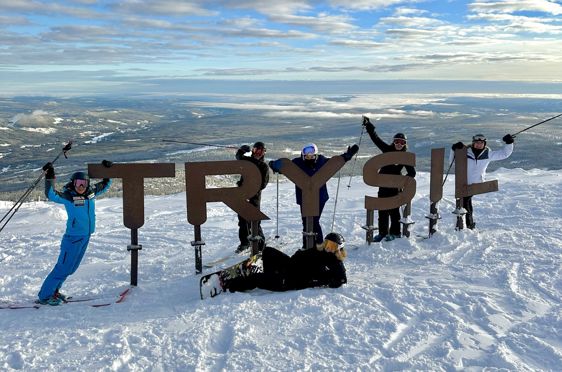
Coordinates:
259 150
80 183
478 138
399 141
332 247
309 152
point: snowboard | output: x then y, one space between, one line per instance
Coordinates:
215 283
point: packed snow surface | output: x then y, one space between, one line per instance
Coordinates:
462 300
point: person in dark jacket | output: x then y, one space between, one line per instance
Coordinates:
320 267
78 198
399 143
257 157
310 162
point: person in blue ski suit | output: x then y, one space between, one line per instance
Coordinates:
310 162
78 198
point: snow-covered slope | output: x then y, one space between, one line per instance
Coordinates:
460 300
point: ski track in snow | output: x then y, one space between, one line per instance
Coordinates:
462 300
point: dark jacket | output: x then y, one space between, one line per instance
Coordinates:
310 168
304 269
395 169
264 171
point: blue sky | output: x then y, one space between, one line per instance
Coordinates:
69 46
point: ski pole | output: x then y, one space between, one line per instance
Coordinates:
513 135
448 170
200 144
336 201
277 211
34 184
534 125
355 160
20 201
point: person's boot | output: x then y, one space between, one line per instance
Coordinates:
378 238
242 247
52 301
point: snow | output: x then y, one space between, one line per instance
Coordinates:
462 300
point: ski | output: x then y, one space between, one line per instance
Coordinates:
406 221
70 300
459 212
433 217
369 226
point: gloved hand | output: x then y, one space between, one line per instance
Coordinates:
107 163
275 165
49 171
241 151
350 152
366 120
508 139
368 125
457 146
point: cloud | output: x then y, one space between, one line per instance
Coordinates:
518 24
13 21
37 119
162 7
369 4
514 6
321 22
411 21
357 43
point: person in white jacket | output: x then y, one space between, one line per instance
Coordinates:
479 157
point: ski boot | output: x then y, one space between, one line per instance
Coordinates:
52 301
242 248
378 238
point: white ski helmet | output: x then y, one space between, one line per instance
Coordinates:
310 151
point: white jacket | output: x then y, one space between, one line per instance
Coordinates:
476 166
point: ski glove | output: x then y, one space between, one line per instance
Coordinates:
366 120
106 163
508 139
350 152
49 171
275 165
457 146
370 127
241 151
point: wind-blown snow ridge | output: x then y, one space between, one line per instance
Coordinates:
468 300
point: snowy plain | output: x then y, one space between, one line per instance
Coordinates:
488 299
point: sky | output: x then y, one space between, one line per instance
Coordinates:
69 45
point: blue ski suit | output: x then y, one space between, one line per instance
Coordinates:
80 225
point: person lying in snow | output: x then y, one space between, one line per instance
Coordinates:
316 267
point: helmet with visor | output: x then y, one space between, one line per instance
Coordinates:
309 152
